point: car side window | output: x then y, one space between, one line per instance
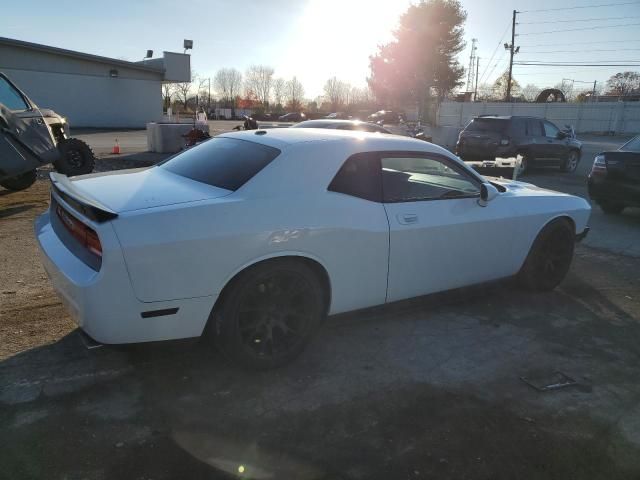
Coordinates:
414 178
359 177
10 97
550 130
533 128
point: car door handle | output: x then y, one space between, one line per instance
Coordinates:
407 218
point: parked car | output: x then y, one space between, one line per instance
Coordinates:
338 116
293 117
31 137
538 140
253 237
614 181
386 116
342 125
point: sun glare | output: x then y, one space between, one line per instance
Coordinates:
336 37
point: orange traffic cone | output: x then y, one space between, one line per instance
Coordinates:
116 148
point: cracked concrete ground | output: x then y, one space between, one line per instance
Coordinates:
428 388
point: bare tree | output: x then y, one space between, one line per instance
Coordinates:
530 92
624 83
203 90
168 89
228 83
279 90
258 80
336 91
182 90
294 92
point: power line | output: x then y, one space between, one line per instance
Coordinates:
494 51
582 43
579 20
579 29
578 64
579 7
582 51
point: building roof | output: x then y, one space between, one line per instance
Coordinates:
79 55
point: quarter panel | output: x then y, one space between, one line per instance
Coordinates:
191 251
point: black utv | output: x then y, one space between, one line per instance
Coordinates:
31 137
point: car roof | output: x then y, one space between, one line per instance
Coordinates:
282 138
506 117
330 121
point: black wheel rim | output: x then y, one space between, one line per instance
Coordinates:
572 161
554 256
275 314
75 158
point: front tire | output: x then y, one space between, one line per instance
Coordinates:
76 158
21 182
269 314
549 258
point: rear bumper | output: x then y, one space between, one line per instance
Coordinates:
103 303
602 188
484 152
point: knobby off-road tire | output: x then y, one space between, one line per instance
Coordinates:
269 314
21 182
549 258
76 158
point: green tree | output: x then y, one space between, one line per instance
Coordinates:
421 60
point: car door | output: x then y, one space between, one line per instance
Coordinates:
440 237
536 141
25 143
554 146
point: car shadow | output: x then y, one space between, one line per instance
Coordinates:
9 211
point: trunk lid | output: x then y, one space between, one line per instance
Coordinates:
623 165
136 189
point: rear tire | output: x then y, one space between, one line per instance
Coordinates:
268 314
549 258
21 182
76 158
611 208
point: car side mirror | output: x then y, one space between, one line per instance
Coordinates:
487 193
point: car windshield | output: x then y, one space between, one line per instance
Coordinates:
632 145
222 162
487 125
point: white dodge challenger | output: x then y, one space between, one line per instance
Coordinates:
252 238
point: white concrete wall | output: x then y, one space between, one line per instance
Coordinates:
616 117
93 101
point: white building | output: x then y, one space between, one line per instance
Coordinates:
92 91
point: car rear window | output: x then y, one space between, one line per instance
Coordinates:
632 145
488 125
222 162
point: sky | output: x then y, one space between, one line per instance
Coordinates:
317 39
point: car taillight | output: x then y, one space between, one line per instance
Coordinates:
87 237
599 165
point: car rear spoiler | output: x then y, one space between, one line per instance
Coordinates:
89 207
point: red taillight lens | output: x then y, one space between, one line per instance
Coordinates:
599 165
87 237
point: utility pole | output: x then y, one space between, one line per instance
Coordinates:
512 51
593 94
472 61
209 99
475 90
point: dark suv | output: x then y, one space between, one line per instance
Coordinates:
538 140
